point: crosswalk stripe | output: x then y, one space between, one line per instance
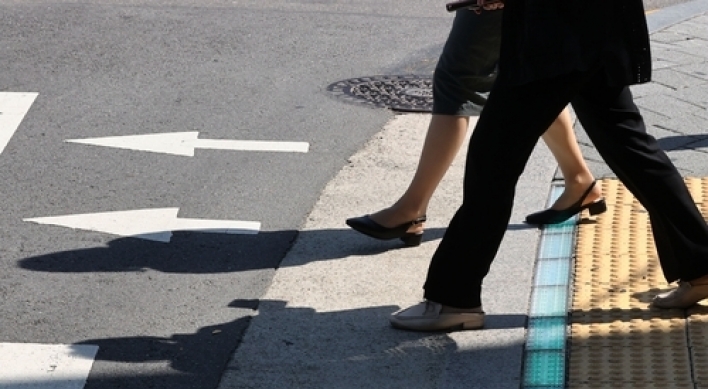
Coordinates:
13 107
45 366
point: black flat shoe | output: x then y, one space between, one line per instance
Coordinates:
369 227
552 216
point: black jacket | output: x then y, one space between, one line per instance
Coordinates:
546 38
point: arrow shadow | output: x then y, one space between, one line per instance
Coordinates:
203 253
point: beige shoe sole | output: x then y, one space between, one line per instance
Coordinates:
444 322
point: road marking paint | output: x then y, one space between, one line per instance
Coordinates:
45 366
13 108
184 143
151 224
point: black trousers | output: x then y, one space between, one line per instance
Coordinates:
507 131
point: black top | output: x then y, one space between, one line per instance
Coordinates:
546 38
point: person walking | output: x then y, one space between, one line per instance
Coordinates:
554 53
465 71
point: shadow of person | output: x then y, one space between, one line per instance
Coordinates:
683 142
290 342
206 253
357 348
180 361
203 253
187 252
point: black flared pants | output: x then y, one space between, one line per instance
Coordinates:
510 125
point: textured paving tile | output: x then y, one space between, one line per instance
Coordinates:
616 339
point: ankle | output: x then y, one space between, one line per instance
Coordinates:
392 217
399 214
581 179
576 189
407 209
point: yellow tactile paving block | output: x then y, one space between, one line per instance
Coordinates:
698 340
608 296
598 330
626 365
616 340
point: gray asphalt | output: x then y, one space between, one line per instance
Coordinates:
249 70
172 315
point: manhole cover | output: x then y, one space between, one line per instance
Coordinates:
399 93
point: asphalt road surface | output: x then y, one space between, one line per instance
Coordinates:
147 254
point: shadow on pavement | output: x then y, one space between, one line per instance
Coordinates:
683 142
308 339
204 253
344 349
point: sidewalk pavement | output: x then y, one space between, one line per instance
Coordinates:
324 321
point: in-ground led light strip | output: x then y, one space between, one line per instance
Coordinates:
545 359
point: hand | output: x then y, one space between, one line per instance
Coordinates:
488 5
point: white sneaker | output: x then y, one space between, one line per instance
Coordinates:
428 316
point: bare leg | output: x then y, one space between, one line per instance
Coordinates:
561 140
442 142
445 136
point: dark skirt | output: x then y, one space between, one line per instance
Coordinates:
467 65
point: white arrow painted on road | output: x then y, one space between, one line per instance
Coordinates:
151 224
13 108
184 143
